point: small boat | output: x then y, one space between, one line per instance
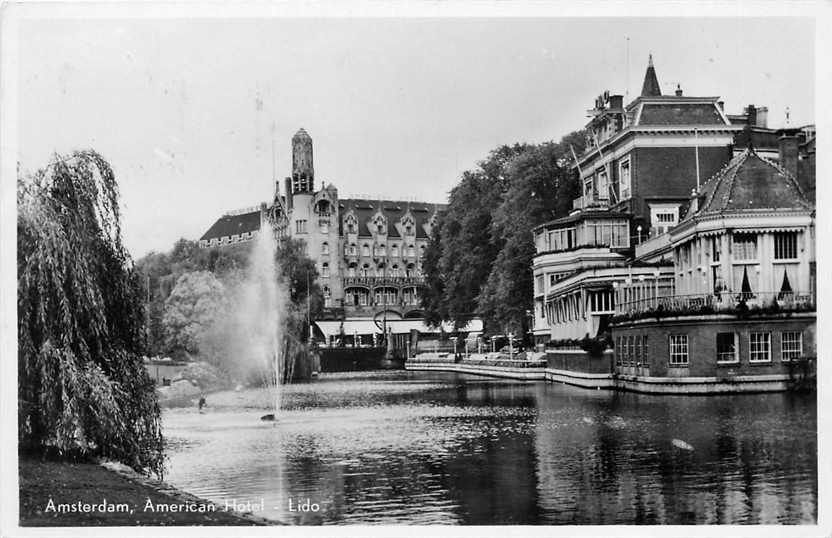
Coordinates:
269 417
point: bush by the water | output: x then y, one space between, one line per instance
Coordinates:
82 387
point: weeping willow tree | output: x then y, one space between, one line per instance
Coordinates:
82 388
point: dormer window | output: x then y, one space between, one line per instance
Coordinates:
408 225
351 224
380 225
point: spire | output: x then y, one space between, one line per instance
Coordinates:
650 88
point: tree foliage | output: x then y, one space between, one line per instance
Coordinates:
196 303
478 261
83 389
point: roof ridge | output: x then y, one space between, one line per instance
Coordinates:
740 159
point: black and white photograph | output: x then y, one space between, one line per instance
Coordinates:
539 269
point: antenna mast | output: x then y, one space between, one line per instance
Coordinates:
627 74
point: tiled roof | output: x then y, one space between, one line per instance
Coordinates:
750 183
364 210
228 225
670 113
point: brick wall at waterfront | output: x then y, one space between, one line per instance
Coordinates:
701 332
580 361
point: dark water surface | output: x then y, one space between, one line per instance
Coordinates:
426 448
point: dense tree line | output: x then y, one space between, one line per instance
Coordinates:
478 260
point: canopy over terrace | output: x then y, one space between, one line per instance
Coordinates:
332 329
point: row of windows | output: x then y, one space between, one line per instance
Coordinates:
603 184
351 227
366 271
632 349
379 225
381 250
744 247
635 348
245 236
728 348
387 296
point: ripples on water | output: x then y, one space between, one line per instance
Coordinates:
428 448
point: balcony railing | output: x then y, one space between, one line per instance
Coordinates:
722 302
587 202
379 281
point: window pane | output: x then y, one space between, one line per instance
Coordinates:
726 348
791 345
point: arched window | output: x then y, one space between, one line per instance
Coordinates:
327 297
365 249
352 250
380 270
411 250
325 270
325 248
365 270
351 270
394 270
422 251
394 250
410 270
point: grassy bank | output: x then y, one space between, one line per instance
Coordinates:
91 484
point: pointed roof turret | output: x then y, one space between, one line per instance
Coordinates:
650 88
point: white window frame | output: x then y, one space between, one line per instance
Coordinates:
755 346
736 354
798 349
742 251
678 346
622 184
793 235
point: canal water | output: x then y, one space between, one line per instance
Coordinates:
442 448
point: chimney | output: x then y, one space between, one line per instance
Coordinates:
762 117
751 113
721 105
288 183
678 90
694 201
788 154
616 101
276 190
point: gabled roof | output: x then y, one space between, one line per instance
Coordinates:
749 183
229 225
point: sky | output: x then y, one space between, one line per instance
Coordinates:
188 111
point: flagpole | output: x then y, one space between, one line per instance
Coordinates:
696 150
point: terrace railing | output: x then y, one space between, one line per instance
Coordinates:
726 302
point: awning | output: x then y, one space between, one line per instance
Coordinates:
396 326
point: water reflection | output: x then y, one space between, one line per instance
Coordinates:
446 448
